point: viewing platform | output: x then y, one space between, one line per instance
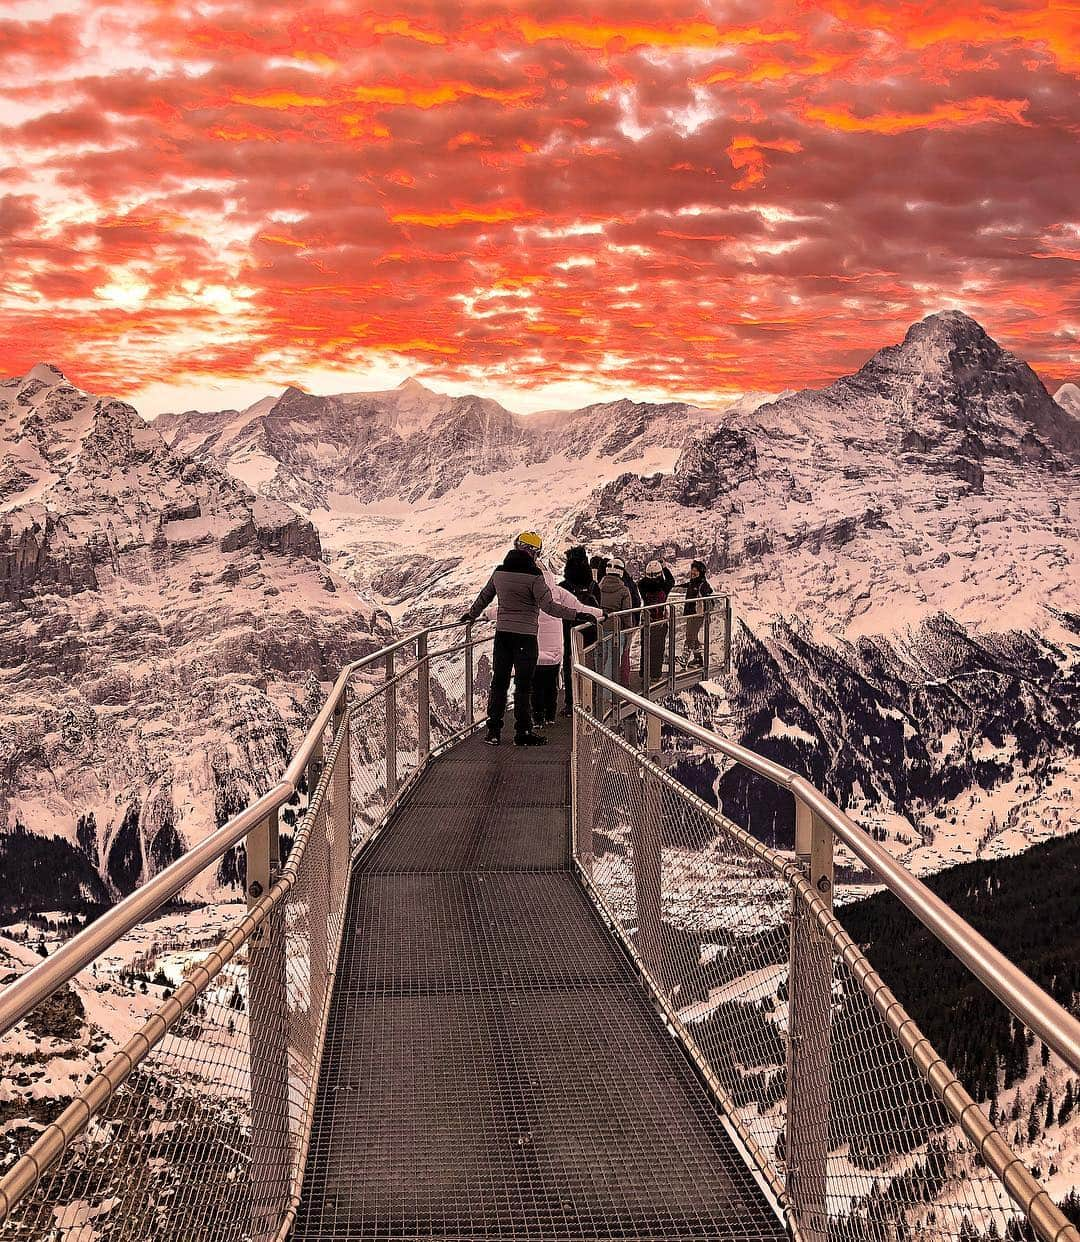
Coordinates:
542 993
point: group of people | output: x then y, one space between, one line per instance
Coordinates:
536 614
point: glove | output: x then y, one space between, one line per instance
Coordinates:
598 613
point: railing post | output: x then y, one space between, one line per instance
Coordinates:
809 1011
318 839
646 651
706 648
341 825
647 853
727 634
581 763
670 608
267 1041
391 729
470 710
423 700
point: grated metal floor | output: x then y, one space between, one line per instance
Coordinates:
494 1068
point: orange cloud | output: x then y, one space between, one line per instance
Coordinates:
604 36
465 215
463 184
747 152
947 115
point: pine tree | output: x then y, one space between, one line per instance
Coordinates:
1033 1123
1067 1104
1049 1111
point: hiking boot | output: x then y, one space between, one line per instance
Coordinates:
492 738
530 739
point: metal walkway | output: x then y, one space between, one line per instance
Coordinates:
494 1067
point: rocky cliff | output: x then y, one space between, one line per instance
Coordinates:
163 636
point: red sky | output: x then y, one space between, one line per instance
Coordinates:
567 199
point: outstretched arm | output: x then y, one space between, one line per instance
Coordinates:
546 602
482 600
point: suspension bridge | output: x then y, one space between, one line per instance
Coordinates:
538 994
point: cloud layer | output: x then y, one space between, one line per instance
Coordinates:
660 196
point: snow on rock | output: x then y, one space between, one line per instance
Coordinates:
164 633
940 477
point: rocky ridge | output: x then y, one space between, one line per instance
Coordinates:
164 632
940 477
408 443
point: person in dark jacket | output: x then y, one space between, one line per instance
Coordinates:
578 580
694 612
655 587
635 595
598 565
522 593
615 597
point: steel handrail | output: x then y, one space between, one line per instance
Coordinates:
1039 1012
39 983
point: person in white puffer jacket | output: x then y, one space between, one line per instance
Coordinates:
549 637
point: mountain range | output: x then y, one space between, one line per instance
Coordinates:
172 595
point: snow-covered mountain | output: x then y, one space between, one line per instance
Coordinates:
1068 398
414 492
163 633
915 523
940 477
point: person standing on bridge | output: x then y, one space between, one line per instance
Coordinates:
522 593
578 580
694 611
615 597
550 643
655 587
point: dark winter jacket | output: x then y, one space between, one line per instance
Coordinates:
614 594
635 599
579 582
696 588
655 590
578 570
522 594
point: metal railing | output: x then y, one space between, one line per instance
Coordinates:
856 1126
197 1118
198 1123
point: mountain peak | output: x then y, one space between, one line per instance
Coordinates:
1068 397
413 385
45 373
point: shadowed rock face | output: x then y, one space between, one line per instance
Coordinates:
163 635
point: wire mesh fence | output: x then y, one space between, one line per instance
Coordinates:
196 1127
196 1116
802 1042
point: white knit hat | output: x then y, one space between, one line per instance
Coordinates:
617 565
654 569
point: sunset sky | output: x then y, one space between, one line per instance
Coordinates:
548 203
